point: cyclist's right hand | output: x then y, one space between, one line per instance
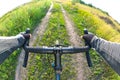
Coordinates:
26 34
88 38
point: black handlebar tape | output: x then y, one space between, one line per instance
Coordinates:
50 50
26 52
72 50
25 59
87 52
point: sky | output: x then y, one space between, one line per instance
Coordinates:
8 5
110 6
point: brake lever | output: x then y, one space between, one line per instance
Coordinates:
87 52
26 52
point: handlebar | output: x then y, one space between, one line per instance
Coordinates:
26 52
51 50
57 49
87 52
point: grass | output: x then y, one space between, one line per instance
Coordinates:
87 17
41 64
25 16
14 22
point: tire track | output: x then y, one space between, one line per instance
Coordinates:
79 59
21 73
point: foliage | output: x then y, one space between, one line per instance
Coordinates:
14 22
25 16
90 5
84 17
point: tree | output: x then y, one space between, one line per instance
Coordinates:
82 2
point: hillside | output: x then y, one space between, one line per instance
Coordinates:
102 25
63 27
16 21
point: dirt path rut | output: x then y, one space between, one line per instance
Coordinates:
21 73
75 40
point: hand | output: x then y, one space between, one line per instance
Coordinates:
88 38
27 36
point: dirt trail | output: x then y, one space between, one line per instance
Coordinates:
75 40
21 73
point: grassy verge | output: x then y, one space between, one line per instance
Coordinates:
25 16
41 64
83 18
16 21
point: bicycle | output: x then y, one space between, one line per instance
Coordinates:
58 50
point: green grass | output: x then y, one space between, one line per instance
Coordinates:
83 18
14 22
41 64
26 16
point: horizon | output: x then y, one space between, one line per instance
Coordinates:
10 5
112 10
110 6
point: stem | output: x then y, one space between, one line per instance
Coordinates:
57 76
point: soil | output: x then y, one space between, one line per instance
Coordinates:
80 60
